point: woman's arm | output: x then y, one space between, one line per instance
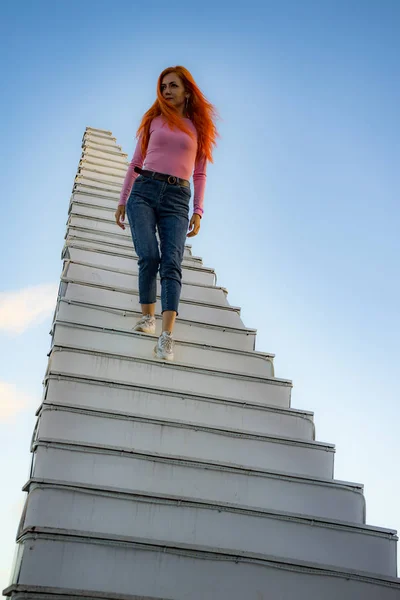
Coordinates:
199 184
137 161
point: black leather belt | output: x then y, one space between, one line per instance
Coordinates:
163 177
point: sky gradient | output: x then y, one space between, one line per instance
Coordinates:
301 215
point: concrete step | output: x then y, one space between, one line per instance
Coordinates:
84 198
179 440
88 226
106 161
108 142
192 272
105 147
116 241
98 132
124 320
211 527
103 208
90 466
95 144
94 211
84 191
103 226
213 315
98 173
80 209
163 375
141 345
92 179
105 143
74 241
87 274
190 408
86 195
89 200
96 152
132 571
113 169
198 278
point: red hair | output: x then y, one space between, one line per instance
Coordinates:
199 110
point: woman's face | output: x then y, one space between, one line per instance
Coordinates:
173 90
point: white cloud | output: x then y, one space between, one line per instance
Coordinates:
22 308
12 401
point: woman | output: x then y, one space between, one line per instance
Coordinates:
175 139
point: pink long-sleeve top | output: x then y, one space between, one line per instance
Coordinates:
172 152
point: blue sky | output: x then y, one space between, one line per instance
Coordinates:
301 209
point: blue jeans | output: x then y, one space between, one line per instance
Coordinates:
152 205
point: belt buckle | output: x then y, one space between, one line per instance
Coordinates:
172 179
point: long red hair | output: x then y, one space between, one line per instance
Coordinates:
199 110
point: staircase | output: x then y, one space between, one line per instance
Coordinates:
192 480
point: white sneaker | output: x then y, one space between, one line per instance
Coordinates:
165 346
147 324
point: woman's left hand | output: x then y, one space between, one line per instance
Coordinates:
194 225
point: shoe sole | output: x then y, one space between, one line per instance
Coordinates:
141 330
170 357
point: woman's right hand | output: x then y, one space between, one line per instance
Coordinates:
120 216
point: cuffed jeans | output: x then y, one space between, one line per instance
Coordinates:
152 205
